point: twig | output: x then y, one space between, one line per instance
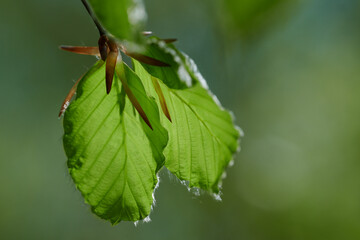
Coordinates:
98 25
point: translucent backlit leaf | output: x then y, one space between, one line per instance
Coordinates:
113 157
202 135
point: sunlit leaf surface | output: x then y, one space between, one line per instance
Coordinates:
202 135
112 160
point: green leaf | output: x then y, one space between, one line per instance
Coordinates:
111 159
202 135
175 76
124 19
158 136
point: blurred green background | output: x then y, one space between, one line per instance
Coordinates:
289 70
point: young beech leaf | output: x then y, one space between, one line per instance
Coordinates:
158 136
124 19
174 76
113 156
202 135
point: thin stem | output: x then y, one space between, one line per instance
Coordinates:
98 25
